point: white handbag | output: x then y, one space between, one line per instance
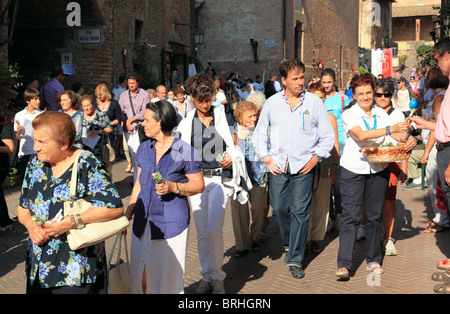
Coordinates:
119 273
92 233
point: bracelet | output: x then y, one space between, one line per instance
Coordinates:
184 190
388 130
73 221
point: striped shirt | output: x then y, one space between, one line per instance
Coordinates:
140 101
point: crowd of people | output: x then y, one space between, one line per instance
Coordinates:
217 140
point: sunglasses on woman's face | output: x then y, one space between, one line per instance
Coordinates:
386 95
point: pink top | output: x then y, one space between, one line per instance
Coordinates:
442 130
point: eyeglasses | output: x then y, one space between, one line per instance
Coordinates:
387 95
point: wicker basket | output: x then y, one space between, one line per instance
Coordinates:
386 153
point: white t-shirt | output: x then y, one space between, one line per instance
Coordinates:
352 159
27 142
403 100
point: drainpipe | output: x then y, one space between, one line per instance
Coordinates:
284 29
114 43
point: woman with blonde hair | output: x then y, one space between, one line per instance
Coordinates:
246 234
110 107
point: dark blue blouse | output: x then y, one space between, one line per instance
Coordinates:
168 214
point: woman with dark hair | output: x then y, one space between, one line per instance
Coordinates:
384 89
161 209
438 83
68 103
363 182
223 165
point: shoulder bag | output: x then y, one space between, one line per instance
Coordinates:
119 272
92 233
108 153
139 127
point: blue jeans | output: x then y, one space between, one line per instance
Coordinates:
290 197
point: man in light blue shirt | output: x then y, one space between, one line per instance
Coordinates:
293 134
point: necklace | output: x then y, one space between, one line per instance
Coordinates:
374 123
46 175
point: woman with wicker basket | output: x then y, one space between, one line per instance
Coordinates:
398 170
364 181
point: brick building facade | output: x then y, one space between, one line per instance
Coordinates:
42 36
310 30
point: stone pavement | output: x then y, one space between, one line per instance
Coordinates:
264 272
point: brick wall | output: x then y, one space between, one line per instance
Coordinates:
228 26
98 63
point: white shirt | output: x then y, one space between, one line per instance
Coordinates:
352 159
27 142
395 117
403 100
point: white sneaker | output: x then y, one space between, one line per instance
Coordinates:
389 247
217 287
204 287
361 233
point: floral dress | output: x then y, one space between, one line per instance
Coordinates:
99 122
54 264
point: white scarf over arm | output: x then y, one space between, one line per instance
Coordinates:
240 181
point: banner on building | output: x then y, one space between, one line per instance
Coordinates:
382 62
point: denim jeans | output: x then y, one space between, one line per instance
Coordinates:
290 197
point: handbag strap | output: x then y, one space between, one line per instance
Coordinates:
74 179
119 249
131 103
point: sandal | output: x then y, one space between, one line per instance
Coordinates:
239 254
430 224
435 229
343 273
376 269
442 288
444 265
256 247
314 247
129 168
441 276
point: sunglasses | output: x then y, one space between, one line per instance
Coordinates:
387 95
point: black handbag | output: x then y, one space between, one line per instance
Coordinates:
139 128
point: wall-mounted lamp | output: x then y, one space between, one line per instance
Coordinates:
198 38
254 44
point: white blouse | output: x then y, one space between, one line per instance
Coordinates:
352 159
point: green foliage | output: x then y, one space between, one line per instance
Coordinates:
427 53
9 181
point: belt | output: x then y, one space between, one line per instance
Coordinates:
441 146
209 173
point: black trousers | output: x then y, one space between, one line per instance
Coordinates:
358 190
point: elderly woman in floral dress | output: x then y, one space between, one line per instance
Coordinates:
52 267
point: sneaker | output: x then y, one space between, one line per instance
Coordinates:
412 186
389 247
217 287
204 287
297 272
361 233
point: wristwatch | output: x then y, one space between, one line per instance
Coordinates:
177 191
319 159
80 224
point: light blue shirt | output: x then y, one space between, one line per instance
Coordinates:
293 136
